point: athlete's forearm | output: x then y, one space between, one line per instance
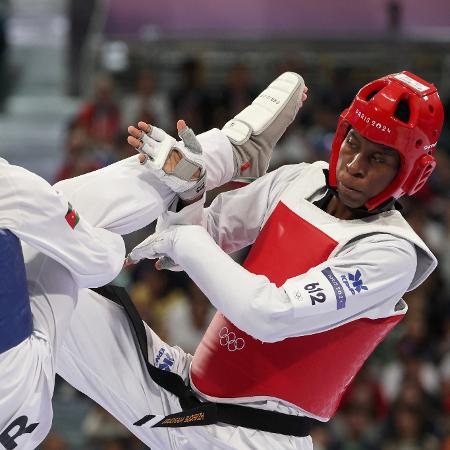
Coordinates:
244 298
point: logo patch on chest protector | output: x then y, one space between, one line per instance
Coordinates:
229 340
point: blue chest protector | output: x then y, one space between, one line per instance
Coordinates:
16 322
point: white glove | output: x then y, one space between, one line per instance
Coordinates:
157 146
157 245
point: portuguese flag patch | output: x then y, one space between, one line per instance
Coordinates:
72 217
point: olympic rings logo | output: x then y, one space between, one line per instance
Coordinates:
228 339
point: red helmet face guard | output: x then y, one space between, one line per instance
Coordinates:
374 113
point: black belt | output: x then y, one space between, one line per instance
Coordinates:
194 411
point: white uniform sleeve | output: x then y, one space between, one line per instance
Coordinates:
378 269
123 197
235 218
126 196
36 214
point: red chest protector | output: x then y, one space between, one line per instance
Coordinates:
311 371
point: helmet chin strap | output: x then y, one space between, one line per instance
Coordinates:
362 211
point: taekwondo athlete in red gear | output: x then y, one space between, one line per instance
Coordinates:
330 261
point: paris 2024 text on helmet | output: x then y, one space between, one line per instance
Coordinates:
400 111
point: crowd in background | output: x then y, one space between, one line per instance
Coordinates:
401 399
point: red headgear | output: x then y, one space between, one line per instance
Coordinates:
374 113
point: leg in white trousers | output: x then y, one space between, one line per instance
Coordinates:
99 357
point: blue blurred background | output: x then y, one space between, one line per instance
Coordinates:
74 74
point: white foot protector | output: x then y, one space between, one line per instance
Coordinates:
255 131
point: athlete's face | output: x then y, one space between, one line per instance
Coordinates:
364 169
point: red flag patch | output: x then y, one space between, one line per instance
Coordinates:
72 217
245 166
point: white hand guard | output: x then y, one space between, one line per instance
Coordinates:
157 146
157 245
